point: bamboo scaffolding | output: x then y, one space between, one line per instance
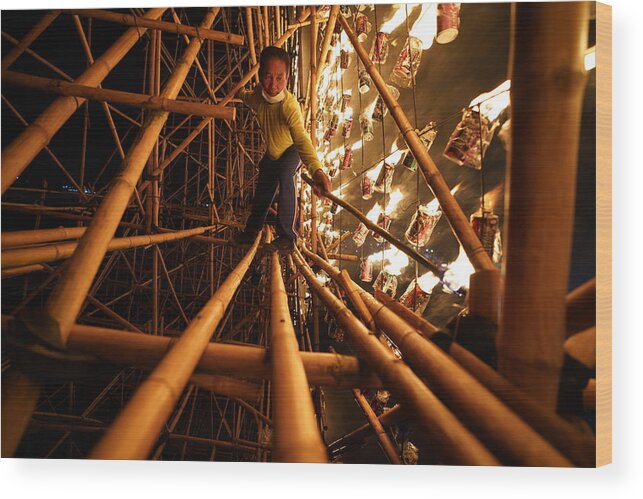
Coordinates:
19 153
39 58
19 257
19 397
251 39
133 433
382 437
545 109
177 29
450 207
576 445
66 299
29 38
141 101
296 438
456 444
379 230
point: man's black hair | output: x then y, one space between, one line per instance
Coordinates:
273 52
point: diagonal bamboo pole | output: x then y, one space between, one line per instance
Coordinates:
393 416
546 109
29 38
200 32
136 429
26 237
296 436
379 230
142 101
19 153
67 297
458 221
455 443
18 257
382 437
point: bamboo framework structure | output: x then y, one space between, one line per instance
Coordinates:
135 328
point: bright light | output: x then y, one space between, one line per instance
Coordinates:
590 58
494 102
426 26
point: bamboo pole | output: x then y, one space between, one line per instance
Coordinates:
177 29
135 430
581 307
382 437
141 101
18 271
545 108
251 40
379 230
26 237
19 153
391 417
29 38
450 207
66 299
19 397
296 438
328 35
226 386
18 257
456 444
479 409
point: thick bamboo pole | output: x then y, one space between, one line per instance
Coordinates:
66 299
296 438
546 100
577 446
19 397
19 153
328 35
26 237
18 257
227 387
379 230
479 409
452 440
29 38
382 437
146 351
174 28
135 430
149 102
458 221
18 271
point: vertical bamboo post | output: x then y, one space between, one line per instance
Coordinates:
67 297
19 153
136 429
458 221
296 438
547 85
251 40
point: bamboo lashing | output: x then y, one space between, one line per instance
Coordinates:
457 445
541 165
149 102
393 416
450 207
296 437
137 427
174 28
22 150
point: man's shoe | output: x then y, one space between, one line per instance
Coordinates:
243 239
282 244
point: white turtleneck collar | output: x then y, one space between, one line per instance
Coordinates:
273 100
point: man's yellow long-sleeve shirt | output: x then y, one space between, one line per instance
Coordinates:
282 125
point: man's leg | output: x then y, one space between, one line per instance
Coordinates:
265 191
288 209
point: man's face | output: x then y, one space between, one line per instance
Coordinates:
274 77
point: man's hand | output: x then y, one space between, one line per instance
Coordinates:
321 183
